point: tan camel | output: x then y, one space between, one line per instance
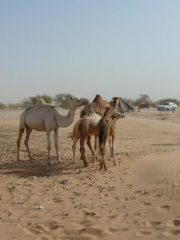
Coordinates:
87 126
83 128
45 117
107 127
98 106
116 101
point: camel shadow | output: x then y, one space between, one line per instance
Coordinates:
165 144
37 168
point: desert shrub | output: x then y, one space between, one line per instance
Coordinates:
62 100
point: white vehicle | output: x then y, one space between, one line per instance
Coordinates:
167 106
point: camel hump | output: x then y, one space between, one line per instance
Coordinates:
40 103
100 101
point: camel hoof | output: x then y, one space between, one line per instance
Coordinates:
59 160
48 167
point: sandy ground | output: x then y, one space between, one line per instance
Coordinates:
137 200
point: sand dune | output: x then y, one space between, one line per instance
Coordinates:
137 199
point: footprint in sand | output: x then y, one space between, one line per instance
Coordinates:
154 224
91 231
174 223
144 203
113 230
172 232
164 208
124 199
143 233
90 213
54 225
57 200
144 192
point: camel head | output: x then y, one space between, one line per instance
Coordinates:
76 102
107 111
112 113
117 115
116 100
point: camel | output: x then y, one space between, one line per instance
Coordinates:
83 128
87 125
98 106
116 101
107 127
45 117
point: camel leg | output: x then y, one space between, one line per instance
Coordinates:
88 142
74 149
28 132
95 149
56 145
48 147
113 155
21 131
82 149
103 160
101 156
110 146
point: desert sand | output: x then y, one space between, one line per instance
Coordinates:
139 199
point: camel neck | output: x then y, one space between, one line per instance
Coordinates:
65 121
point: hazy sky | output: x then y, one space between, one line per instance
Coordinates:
86 47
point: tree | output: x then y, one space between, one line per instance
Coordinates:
130 101
62 100
174 100
143 98
2 106
32 100
15 106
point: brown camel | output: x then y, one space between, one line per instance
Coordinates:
87 126
83 128
98 106
44 117
107 127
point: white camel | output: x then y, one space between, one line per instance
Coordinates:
45 117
